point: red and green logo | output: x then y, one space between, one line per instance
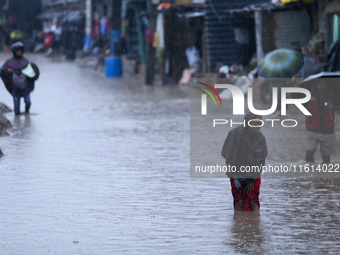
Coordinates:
208 92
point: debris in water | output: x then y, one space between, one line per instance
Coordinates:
4 124
4 108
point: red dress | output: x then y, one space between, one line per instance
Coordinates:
241 194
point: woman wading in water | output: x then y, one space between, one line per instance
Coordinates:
246 146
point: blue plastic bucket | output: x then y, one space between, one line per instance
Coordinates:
113 66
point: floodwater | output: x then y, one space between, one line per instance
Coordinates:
102 167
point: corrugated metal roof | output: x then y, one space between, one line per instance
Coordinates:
260 7
333 8
49 15
58 2
178 2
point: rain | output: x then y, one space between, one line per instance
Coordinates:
103 161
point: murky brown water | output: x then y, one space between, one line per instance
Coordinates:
102 167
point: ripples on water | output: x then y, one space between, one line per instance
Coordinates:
103 167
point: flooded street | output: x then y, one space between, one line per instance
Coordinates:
101 166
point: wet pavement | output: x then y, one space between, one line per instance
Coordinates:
101 166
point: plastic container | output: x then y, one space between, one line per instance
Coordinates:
113 66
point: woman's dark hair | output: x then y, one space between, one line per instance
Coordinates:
17 46
250 116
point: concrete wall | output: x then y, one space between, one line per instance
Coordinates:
281 29
294 29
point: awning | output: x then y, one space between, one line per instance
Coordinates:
191 3
50 15
57 2
260 7
189 15
165 5
332 8
303 1
74 17
168 5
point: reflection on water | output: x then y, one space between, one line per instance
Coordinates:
21 126
246 231
103 168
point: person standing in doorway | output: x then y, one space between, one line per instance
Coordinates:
57 31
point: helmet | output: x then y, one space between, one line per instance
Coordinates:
16 46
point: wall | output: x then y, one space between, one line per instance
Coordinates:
25 13
294 29
221 45
282 29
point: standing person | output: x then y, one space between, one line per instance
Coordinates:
18 75
104 26
244 146
320 126
57 31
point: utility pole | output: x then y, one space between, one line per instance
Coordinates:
151 54
88 9
66 9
